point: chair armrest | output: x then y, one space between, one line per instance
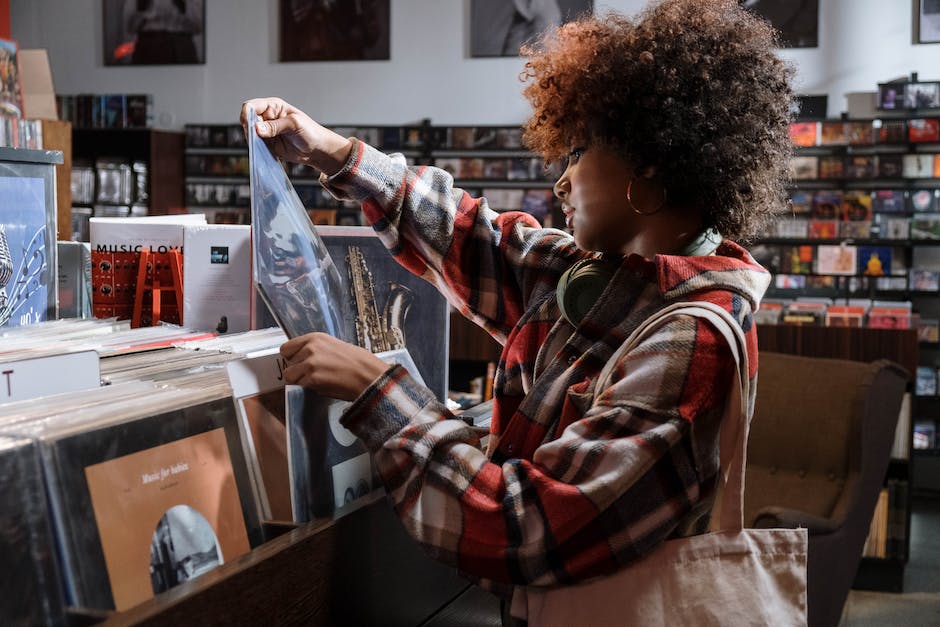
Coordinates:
785 518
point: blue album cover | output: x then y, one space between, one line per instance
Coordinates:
874 260
27 285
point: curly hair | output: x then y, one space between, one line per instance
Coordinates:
691 87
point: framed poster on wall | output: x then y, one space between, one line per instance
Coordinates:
499 28
154 32
926 21
796 20
333 30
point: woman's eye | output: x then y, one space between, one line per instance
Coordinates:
575 155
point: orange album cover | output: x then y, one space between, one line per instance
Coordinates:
265 415
924 130
803 133
823 229
166 515
845 316
832 134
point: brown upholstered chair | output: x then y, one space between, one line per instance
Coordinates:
819 448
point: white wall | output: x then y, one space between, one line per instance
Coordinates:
430 74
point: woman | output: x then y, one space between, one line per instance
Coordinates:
674 127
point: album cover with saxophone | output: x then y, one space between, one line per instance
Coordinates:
388 307
291 269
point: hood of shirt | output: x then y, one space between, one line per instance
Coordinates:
731 268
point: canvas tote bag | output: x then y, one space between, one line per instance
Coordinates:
728 577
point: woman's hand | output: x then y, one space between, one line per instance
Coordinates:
330 367
293 136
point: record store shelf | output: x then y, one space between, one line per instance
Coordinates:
356 571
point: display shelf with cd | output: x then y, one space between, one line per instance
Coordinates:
484 160
868 185
216 168
860 247
120 172
491 161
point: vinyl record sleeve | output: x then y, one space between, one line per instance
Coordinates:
29 574
116 247
330 468
11 90
317 444
389 307
217 271
837 259
293 273
161 364
20 412
116 481
258 389
74 271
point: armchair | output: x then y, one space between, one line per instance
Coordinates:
819 447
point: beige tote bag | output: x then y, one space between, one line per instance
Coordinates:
729 577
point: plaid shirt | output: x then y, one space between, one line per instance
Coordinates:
575 482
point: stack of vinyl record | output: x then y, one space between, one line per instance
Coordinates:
110 494
147 484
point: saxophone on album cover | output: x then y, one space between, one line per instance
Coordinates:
376 331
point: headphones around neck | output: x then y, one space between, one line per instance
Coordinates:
583 283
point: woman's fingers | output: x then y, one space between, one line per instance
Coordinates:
330 366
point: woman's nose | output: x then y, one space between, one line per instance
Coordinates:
561 187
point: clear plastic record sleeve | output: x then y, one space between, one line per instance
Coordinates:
293 273
29 575
247 343
161 364
18 412
148 492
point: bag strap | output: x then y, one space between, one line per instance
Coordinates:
728 510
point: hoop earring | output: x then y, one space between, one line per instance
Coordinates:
658 208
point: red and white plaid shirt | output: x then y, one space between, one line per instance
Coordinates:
575 482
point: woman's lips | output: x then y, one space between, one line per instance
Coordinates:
569 215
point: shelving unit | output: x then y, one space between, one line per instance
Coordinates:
162 151
57 135
874 183
360 570
490 161
871 186
485 160
217 176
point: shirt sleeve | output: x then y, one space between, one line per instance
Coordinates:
616 482
489 265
